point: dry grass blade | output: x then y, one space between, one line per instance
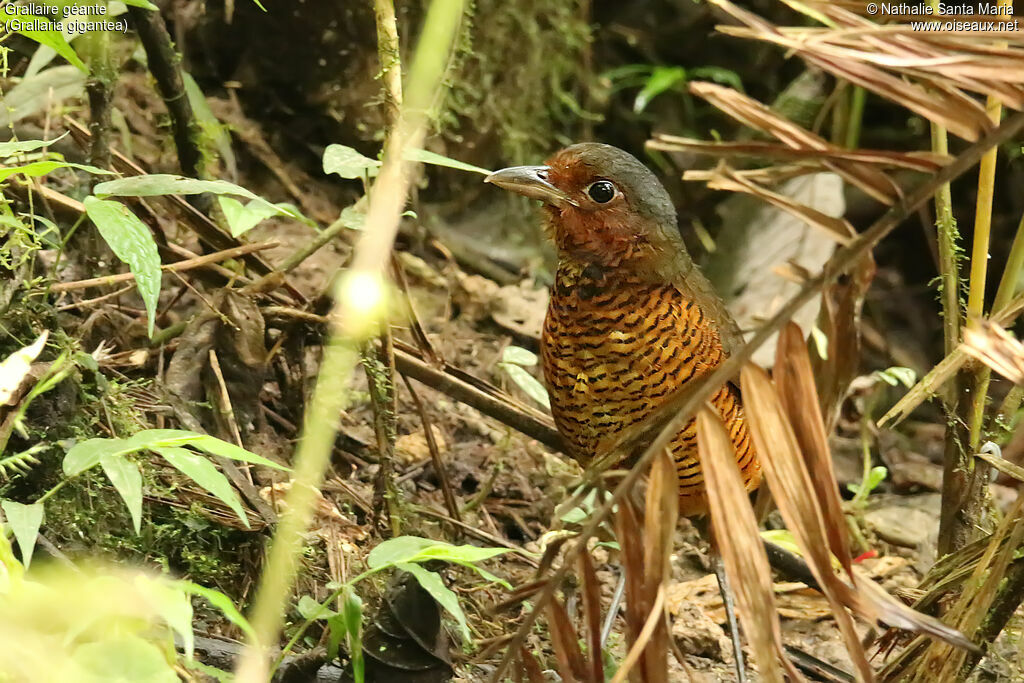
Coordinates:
756 115
784 469
836 228
592 616
943 662
996 348
946 369
648 648
799 398
789 481
660 515
930 70
640 648
531 668
841 306
926 162
746 564
571 664
1004 466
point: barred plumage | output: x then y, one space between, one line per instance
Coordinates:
614 348
630 320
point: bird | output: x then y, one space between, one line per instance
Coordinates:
631 319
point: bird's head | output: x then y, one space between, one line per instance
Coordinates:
603 206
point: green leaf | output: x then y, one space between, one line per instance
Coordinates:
348 163
53 38
36 169
133 243
24 521
244 217
518 356
401 549
310 609
528 383
12 147
203 472
718 75
413 549
144 4
348 622
222 603
174 606
897 375
425 157
433 584
85 455
127 479
157 184
352 218
661 79
215 446
123 659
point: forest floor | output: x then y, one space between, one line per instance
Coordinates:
508 486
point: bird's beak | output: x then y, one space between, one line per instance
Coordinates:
532 182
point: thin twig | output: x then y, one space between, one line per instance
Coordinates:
435 453
188 264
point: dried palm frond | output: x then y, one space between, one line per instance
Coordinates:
735 531
758 116
929 73
995 347
813 523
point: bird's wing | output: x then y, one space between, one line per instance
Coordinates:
696 287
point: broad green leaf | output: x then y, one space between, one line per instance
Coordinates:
24 521
133 243
222 603
718 75
126 478
401 549
12 147
44 90
348 163
144 4
433 584
310 609
528 383
352 218
897 375
413 549
244 217
52 37
85 455
203 472
36 169
164 183
661 79
173 605
215 446
518 355
348 622
123 659
425 157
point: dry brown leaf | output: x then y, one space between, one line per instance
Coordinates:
799 398
735 531
790 483
995 347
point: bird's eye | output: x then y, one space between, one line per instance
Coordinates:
602 191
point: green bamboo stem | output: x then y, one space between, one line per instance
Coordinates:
354 319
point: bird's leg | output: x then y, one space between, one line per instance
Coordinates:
730 613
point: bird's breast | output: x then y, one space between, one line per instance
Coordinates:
614 348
